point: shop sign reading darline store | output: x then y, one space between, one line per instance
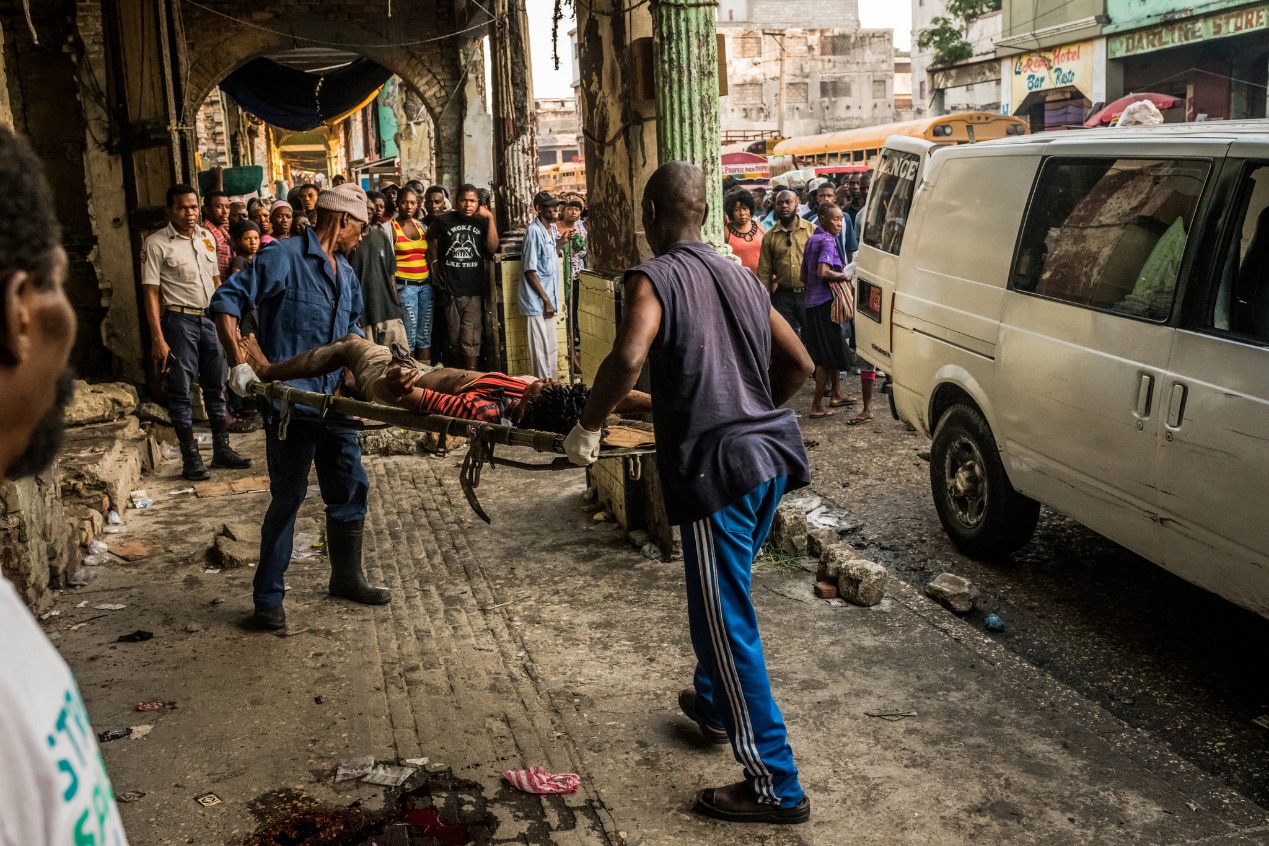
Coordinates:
1069 65
1193 31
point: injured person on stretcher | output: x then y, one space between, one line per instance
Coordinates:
398 380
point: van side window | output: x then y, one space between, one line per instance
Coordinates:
890 199
1109 234
1242 296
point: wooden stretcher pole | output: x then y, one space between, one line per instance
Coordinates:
482 437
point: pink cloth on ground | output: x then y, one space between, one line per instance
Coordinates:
538 780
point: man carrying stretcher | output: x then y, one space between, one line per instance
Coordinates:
397 380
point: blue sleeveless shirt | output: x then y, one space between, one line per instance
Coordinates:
719 434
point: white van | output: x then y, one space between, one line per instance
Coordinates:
1082 320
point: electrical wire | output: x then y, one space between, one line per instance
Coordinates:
292 35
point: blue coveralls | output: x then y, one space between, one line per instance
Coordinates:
302 305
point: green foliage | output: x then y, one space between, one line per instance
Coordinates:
947 36
947 40
968 11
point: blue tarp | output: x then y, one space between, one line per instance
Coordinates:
299 101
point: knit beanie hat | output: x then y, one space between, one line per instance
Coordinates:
348 197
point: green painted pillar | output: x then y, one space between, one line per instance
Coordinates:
685 59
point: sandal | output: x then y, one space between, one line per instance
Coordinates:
822 414
843 401
239 425
737 803
855 421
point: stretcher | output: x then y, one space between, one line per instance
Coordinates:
481 437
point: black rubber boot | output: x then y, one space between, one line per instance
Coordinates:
223 454
347 580
192 466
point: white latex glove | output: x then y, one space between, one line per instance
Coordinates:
582 446
241 378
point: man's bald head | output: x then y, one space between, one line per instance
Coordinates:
675 203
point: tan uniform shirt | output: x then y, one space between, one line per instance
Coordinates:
780 257
185 269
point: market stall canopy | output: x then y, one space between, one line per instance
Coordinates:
1113 111
297 100
745 166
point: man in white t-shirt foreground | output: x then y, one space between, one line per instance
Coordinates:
53 784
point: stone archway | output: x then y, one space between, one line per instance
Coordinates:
432 68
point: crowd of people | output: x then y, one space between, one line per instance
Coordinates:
800 250
422 265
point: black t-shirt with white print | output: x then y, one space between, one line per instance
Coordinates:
460 244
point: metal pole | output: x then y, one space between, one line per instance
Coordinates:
685 56
784 89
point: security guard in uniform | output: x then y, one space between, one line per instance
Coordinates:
179 275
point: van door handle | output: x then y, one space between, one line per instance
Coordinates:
1144 393
1176 406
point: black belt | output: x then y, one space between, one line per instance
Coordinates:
792 289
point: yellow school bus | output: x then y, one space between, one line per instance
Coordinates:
567 176
862 146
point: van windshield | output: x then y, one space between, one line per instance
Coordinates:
891 198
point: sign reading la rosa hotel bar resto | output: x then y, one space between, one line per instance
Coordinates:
1070 65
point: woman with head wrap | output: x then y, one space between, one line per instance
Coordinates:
280 219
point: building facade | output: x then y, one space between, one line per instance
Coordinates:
786 81
1061 60
971 84
559 129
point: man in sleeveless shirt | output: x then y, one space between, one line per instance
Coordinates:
722 363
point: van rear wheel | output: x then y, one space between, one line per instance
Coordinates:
980 510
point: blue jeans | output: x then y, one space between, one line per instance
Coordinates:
195 351
732 688
416 309
342 479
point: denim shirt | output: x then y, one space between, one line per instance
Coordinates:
539 254
301 304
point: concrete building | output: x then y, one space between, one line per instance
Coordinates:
971 84
1061 60
558 130
833 78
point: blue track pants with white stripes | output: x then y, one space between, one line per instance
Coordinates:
732 688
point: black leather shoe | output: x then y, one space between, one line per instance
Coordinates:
272 619
687 702
736 803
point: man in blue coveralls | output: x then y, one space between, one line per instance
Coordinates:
307 296
722 363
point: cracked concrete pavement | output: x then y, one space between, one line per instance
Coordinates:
544 639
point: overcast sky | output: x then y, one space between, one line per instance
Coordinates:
548 82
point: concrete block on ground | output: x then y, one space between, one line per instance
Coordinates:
37 538
100 403
953 592
101 463
831 560
229 554
788 531
89 524
862 582
818 540
152 412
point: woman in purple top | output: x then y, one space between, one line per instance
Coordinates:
821 264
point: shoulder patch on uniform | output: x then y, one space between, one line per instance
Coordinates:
210 246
